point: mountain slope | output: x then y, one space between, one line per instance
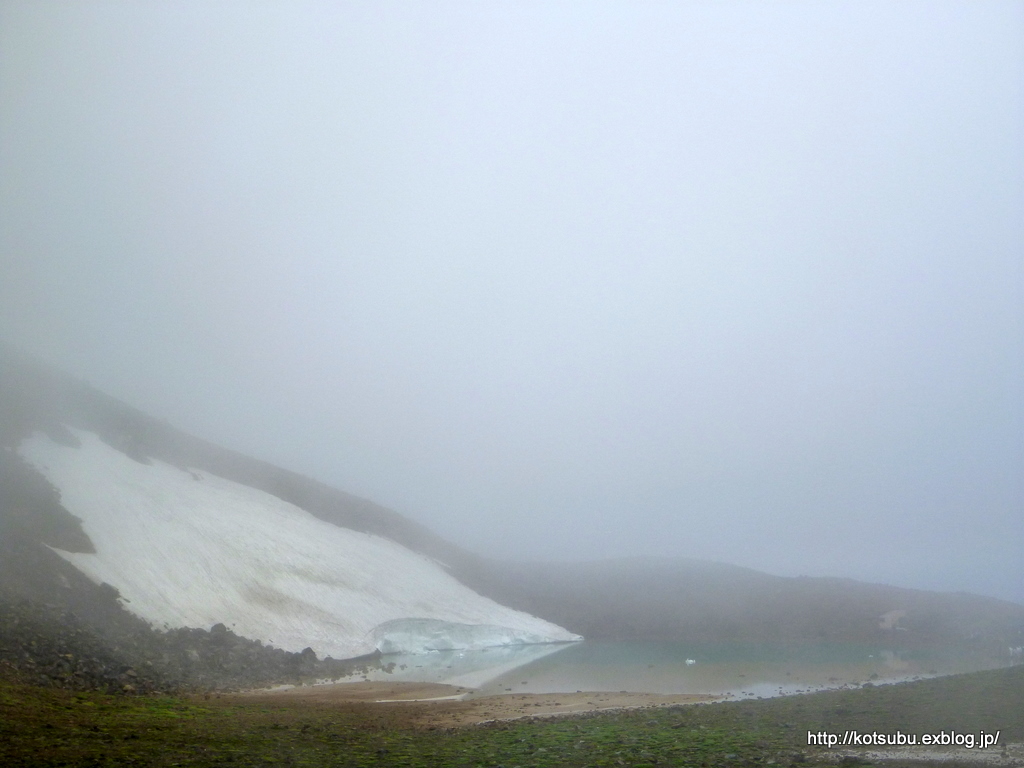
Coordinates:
160 517
626 599
706 602
187 548
35 396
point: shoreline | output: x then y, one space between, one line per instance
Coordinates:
443 705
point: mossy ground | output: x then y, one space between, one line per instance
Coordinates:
50 727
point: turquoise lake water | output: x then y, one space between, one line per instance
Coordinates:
741 670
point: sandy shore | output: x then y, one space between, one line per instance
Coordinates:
438 705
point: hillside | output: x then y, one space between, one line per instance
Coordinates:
158 518
49 421
700 601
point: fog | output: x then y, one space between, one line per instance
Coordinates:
734 281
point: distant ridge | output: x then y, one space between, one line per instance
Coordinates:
703 601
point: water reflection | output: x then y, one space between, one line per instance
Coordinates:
739 670
468 669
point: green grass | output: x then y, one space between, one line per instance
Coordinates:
46 727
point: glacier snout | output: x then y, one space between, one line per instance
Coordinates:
425 635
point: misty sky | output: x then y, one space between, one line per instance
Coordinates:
737 281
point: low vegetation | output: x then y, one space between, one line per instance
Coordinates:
52 727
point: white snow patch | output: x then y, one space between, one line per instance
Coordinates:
188 552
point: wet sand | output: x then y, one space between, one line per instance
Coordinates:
439 705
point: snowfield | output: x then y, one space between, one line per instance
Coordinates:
190 549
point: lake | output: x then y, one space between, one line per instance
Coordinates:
740 670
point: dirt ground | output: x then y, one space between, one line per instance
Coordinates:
444 706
